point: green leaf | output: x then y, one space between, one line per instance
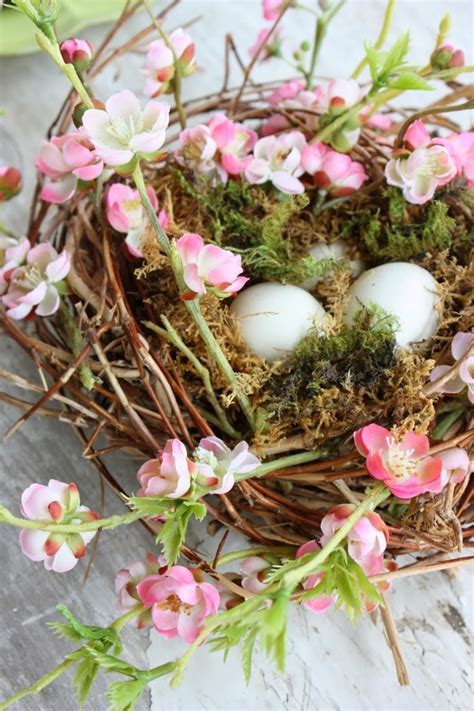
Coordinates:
89 632
373 60
124 695
173 531
110 663
84 676
247 652
396 55
409 80
369 590
65 631
446 422
151 505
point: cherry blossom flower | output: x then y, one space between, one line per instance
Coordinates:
366 541
404 465
10 182
272 9
66 160
76 51
335 172
293 95
321 603
424 166
57 502
217 464
179 601
159 67
209 267
198 149
35 286
447 57
234 141
254 571
464 378
126 582
12 255
277 159
123 131
169 475
267 44
461 147
125 213
456 465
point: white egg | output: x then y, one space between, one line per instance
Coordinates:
274 318
404 290
336 250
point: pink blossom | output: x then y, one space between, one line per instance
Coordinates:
366 541
159 67
126 582
217 464
76 51
335 172
286 92
416 136
254 571
12 255
377 121
338 95
461 147
35 286
322 602
169 475
277 159
421 172
125 213
464 378
198 149
234 141
207 266
447 57
123 131
404 465
293 95
55 503
456 465
179 601
10 182
267 44
66 160
272 9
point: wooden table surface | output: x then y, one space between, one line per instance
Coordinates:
330 664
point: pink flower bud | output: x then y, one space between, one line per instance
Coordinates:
126 582
179 602
254 571
447 57
10 182
12 255
337 173
57 502
159 67
209 267
77 51
272 9
267 44
321 603
169 475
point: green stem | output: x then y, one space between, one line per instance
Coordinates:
292 573
292 460
7 232
76 343
52 48
281 551
105 523
320 30
387 21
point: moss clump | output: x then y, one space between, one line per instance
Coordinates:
357 356
404 232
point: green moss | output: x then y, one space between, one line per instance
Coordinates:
358 356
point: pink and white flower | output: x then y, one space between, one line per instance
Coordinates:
169 475
76 51
198 149
267 44
272 9
404 465
464 378
293 95
57 502
159 67
366 541
322 602
456 465
12 255
180 602
217 464
10 182
126 582
123 131
234 141
125 213
461 147
447 57
277 159
335 172
66 160
254 571
35 286
209 267
338 95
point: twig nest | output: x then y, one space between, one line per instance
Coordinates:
338 250
405 291
274 318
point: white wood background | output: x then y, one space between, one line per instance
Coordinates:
330 664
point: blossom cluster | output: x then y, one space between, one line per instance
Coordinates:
32 277
462 378
213 466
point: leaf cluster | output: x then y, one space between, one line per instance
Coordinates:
390 69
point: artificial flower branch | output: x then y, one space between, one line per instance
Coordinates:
380 41
321 27
87 526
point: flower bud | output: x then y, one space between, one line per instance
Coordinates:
10 182
447 57
77 52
